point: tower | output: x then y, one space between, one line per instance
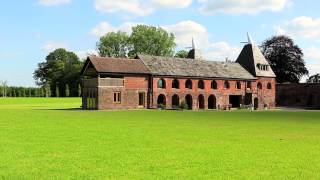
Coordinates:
252 59
194 53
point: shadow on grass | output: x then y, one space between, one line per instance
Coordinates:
64 109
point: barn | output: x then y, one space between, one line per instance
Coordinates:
166 82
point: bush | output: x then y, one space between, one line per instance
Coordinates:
162 106
184 105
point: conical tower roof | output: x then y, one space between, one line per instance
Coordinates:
252 59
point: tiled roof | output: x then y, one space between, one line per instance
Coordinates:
168 66
118 65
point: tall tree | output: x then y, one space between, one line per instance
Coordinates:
67 91
61 67
285 58
314 79
181 54
57 91
114 44
152 41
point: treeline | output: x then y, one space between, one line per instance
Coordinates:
12 91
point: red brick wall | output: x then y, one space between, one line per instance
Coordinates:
129 94
298 95
135 84
265 96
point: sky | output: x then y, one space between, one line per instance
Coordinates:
30 29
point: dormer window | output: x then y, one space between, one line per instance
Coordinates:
263 67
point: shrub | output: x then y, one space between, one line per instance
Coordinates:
184 105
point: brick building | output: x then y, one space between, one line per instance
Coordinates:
152 81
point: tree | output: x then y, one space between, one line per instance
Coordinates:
285 59
4 87
181 54
57 91
114 44
60 66
152 41
67 91
47 89
314 79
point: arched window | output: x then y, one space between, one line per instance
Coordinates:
238 85
161 83
259 85
175 84
200 84
188 84
269 86
226 85
214 85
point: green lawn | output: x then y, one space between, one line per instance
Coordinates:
51 139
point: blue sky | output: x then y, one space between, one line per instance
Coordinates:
30 29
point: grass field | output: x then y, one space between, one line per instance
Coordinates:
49 139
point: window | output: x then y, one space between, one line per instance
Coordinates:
263 67
226 85
214 85
162 83
141 98
238 85
175 84
188 84
248 85
117 97
200 84
269 86
259 85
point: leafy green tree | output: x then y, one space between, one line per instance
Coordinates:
314 79
61 67
285 58
114 44
67 90
152 41
57 91
181 54
47 89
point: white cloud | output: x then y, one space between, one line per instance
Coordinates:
312 53
83 54
184 31
301 27
51 46
53 2
138 7
104 27
242 6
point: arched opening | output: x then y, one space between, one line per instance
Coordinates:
201 101
259 85
175 84
161 83
161 101
256 103
238 85
212 102
188 100
175 101
200 84
269 86
214 85
226 85
188 84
